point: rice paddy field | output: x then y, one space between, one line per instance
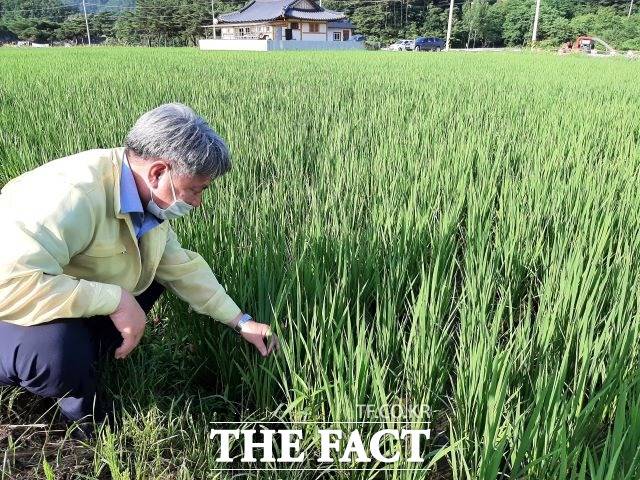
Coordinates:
457 230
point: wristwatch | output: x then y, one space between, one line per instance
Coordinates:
243 319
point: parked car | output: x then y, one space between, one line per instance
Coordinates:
428 43
401 45
357 38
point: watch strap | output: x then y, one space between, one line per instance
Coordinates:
243 319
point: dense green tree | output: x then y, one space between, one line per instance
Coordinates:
620 30
476 19
102 25
434 22
554 27
33 30
126 29
517 26
73 29
181 22
192 15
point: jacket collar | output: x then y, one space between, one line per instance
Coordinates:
129 197
117 157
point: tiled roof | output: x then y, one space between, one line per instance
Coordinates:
261 10
306 15
341 24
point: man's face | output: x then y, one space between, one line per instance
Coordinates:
187 188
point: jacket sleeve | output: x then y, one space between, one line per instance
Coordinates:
189 276
39 233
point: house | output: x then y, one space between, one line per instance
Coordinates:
281 25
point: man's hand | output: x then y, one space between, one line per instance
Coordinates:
255 333
130 321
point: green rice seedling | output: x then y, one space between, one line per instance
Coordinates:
459 231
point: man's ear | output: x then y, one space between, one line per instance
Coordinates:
156 170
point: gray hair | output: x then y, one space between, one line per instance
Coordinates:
174 132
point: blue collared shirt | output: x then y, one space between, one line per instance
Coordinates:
130 203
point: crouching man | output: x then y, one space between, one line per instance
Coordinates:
86 249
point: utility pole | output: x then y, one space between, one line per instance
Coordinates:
534 37
630 8
86 22
213 21
446 47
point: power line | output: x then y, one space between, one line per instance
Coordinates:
48 9
102 7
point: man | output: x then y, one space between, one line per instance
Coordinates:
86 249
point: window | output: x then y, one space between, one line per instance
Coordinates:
337 36
314 27
295 26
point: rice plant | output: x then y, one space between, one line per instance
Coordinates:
455 230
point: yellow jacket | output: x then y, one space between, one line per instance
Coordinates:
66 251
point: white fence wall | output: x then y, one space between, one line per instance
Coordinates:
314 45
269 45
249 45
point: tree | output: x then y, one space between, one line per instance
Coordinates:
191 18
475 22
518 21
475 17
606 23
126 29
102 25
73 28
434 22
33 30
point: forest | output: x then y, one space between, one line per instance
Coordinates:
476 23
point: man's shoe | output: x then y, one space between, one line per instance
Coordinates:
83 431
105 413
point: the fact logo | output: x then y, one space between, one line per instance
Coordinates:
349 446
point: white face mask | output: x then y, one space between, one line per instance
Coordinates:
177 209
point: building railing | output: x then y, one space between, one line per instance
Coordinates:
251 36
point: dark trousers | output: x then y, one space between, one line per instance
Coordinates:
59 358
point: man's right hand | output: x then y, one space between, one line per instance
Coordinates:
130 320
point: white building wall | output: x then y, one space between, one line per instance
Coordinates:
340 30
319 36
